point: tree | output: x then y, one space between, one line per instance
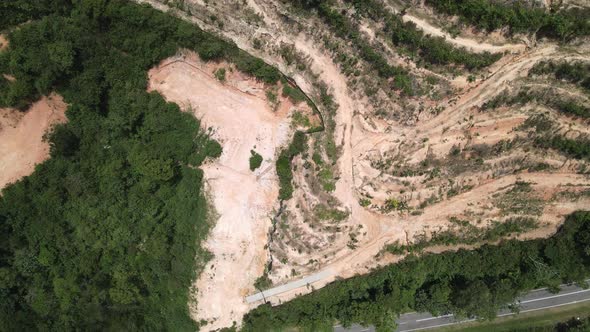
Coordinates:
255 160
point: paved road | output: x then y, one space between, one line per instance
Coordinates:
535 300
288 286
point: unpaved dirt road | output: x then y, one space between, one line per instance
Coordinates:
21 137
470 44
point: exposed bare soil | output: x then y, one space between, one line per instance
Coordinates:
3 42
428 162
242 118
21 137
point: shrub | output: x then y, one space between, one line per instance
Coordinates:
283 164
220 74
255 160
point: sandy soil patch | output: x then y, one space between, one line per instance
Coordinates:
242 119
3 42
21 137
9 118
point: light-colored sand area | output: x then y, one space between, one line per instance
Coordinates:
242 118
21 137
3 42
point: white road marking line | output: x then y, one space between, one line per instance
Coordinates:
431 318
431 327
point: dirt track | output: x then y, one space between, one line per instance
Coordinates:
463 42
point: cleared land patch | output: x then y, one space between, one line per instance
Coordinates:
416 150
3 42
21 137
242 114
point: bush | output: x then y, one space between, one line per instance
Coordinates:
294 93
255 160
283 164
220 74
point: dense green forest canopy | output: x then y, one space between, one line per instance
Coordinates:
104 235
466 283
19 11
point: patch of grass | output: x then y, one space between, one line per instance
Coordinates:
364 202
431 79
325 213
255 160
317 159
394 204
220 74
576 72
541 123
559 102
301 120
577 148
293 93
271 96
283 164
327 180
520 199
465 233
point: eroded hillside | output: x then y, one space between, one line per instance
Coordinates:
439 132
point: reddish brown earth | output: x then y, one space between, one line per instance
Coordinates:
21 137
